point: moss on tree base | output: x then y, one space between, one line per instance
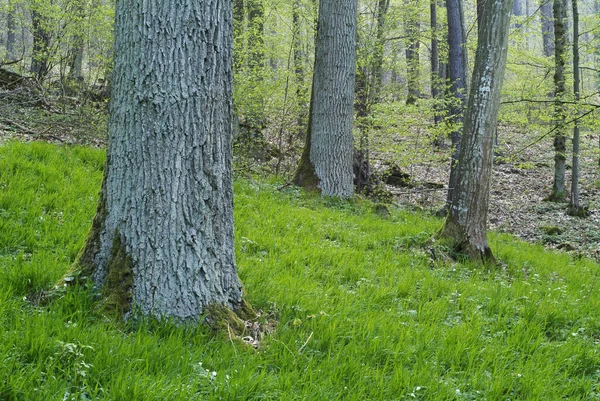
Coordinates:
116 291
230 322
453 236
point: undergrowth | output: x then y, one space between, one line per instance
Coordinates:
363 311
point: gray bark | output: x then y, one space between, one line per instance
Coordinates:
166 204
329 141
559 189
547 19
467 217
458 79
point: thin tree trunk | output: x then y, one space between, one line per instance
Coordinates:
559 189
547 18
299 62
575 207
436 82
162 239
518 12
40 65
465 225
326 163
11 37
412 54
457 76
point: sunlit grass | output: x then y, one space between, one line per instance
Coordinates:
364 313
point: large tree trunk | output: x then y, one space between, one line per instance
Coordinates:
547 19
458 85
559 189
465 225
326 163
162 238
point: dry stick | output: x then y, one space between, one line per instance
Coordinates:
23 128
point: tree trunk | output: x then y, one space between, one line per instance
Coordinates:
575 207
518 12
299 62
559 189
412 54
162 238
436 82
377 64
458 80
11 29
547 19
465 225
369 82
238 34
326 163
40 65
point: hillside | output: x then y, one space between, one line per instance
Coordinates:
356 306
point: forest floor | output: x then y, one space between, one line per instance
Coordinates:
523 177
523 170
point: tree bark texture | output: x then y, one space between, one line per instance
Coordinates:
559 189
467 217
162 239
457 75
547 18
326 163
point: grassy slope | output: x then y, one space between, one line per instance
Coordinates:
363 312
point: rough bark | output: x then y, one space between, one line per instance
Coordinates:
328 150
162 238
559 189
547 18
457 75
465 225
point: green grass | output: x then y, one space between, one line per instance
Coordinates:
364 313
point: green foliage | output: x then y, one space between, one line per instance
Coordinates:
364 312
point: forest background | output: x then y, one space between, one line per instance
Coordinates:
57 57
